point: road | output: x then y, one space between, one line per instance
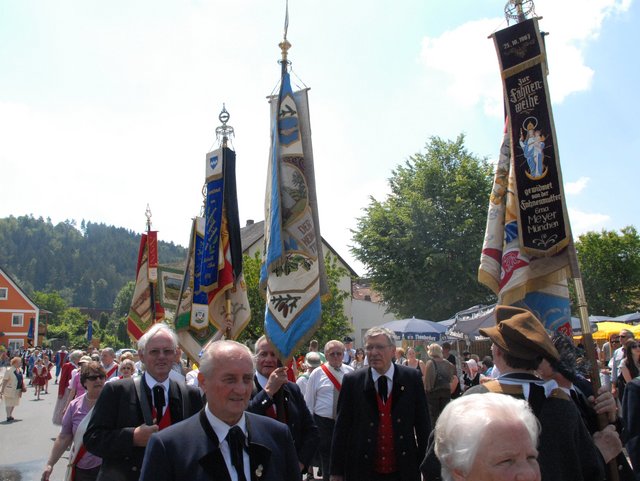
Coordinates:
26 442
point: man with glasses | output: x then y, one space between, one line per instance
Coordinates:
617 359
129 411
321 397
383 426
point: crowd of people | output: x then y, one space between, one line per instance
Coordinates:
376 412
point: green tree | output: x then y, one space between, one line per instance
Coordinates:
422 244
335 324
72 328
610 267
52 302
251 271
122 302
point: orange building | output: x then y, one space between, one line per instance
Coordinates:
19 316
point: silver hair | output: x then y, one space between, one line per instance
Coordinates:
153 331
207 362
75 355
258 342
460 427
109 350
380 331
332 343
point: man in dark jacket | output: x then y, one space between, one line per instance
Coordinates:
277 397
129 411
382 426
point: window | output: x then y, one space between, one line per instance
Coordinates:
15 344
4 293
17 320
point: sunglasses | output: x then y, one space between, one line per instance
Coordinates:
633 346
94 377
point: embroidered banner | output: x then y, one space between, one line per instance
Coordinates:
535 283
145 310
543 222
292 273
213 282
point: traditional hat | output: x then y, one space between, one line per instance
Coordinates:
312 359
519 333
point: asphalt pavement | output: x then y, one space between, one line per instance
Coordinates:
25 443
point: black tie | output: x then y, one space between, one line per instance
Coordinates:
235 438
158 401
382 388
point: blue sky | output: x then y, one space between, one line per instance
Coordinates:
108 106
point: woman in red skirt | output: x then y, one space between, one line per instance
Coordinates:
39 376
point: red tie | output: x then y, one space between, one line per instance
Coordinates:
271 412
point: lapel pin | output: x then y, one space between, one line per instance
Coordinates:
402 388
259 471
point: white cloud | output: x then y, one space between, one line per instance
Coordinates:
470 67
577 186
582 222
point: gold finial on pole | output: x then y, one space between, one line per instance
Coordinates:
285 45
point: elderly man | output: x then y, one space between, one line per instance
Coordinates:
223 441
383 425
108 361
322 398
487 437
277 397
520 343
129 411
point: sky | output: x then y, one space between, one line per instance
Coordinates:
106 107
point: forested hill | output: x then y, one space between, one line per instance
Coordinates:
88 266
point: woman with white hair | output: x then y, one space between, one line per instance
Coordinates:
488 437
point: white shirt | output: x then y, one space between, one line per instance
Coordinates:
151 382
302 382
320 390
615 362
375 375
222 429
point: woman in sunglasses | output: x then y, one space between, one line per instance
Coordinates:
630 367
83 465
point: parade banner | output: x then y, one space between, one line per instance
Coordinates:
292 273
169 284
210 260
145 310
200 316
543 222
538 284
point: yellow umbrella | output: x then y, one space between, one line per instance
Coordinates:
605 329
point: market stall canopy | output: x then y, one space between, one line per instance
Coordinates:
466 324
417 329
606 329
632 317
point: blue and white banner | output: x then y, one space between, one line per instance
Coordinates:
213 219
292 273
